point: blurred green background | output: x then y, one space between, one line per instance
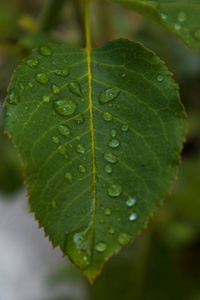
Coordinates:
164 261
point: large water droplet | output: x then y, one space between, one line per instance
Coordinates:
79 119
64 130
160 78
78 246
124 238
45 98
101 246
197 34
55 89
75 88
107 211
81 168
62 72
113 133
111 230
115 190
55 139
45 50
133 216
64 106
130 202
108 169
107 116
114 143
68 176
62 149
80 148
32 62
124 128
110 157
42 77
181 16
109 95
12 98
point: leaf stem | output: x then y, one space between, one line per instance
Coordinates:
87 26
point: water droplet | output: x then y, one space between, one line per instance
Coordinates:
101 246
45 50
102 221
114 143
197 34
164 15
65 61
110 157
55 139
107 211
113 133
75 88
77 245
12 98
181 16
8 114
62 72
160 78
110 104
62 149
68 176
64 130
32 62
30 85
21 86
124 238
26 107
111 230
124 128
109 95
123 75
81 168
55 89
133 216
130 202
107 116
118 107
108 169
45 98
80 148
42 77
177 26
64 106
115 190
79 119
53 203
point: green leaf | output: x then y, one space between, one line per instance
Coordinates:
100 135
180 16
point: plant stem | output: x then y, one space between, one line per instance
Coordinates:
87 27
50 15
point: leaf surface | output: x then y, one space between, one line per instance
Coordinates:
180 16
100 135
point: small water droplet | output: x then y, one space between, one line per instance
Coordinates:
62 72
164 15
64 130
8 114
79 119
12 98
160 78
21 86
64 106
62 149
124 128
53 203
68 176
177 26
111 230
45 50
181 16
26 107
118 107
32 62
124 238
197 34
118 219
30 85
81 168
110 104
113 133
55 89
65 61
101 246
113 143
108 169
133 216
75 88
102 221
107 116
109 95
110 157
45 98
107 211
80 148
42 77
55 139
115 190
123 75
130 202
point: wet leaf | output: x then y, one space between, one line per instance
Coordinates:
100 135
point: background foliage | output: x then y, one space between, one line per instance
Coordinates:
164 262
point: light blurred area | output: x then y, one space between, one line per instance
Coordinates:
164 261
